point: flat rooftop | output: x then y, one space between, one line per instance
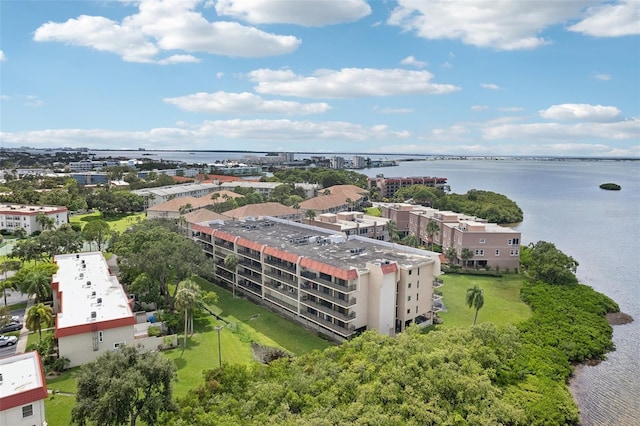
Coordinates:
87 286
327 247
20 373
24 209
175 189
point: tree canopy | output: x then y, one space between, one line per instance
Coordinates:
123 385
542 261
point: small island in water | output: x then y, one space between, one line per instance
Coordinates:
611 186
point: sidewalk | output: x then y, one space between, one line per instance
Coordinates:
21 346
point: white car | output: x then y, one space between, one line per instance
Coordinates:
8 340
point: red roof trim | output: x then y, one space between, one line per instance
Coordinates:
249 244
281 254
224 236
391 267
94 326
334 271
203 229
27 397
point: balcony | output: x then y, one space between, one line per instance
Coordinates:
255 266
287 266
224 249
252 287
349 301
249 254
327 310
224 244
328 283
283 289
436 297
437 283
343 331
257 278
282 303
285 278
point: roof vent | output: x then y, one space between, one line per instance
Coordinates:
99 301
93 294
89 283
93 314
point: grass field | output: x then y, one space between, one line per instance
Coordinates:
117 223
502 304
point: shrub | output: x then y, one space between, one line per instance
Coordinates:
153 331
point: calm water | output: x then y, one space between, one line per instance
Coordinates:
562 204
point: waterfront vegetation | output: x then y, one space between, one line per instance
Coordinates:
611 186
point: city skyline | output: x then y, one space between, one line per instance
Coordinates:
427 77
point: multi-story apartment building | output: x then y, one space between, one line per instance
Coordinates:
400 213
337 285
23 390
354 223
162 194
492 245
336 162
13 216
387 187
93 313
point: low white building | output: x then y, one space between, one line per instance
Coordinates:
14 216
93 313
23 390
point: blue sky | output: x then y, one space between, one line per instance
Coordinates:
473 77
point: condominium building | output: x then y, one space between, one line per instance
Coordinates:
162 194
13 216
354 223
93 313
335 284
387 186
23 390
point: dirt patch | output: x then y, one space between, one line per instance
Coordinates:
266 354
619 318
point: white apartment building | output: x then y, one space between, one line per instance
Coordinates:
14 216
23 390
337 285
355 223
93 313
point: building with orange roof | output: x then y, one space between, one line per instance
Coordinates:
176 207
271 209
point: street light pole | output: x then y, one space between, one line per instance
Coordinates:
218 328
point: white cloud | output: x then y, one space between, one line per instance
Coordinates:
219 75
611 19
387 110
179 59
2 56
583 112
5 97
309 13
169 26
479 107
490 86
33 101
602 77
498 24
243 103
617 131
410 60
510 109
348 83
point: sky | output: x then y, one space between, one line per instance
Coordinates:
433 77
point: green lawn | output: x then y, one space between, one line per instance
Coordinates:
117 223
58 409
502 304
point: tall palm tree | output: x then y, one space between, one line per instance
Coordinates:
310 214
37 315
6 266
230 262
392 227
475 299
451 254
432 230
189 296
38 284
45 221
466 254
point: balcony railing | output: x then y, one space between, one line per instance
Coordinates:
285 278
437 283
280 288
281 264
327 310
343 331
248 285
257 278
436 297
280 302
250 254
251 265
348 301
340 287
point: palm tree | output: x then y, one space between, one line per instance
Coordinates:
38 283
6 266
230 262
310 215
475 299
189 295
465 255
45 221
393 230
37 315
451 254
432 230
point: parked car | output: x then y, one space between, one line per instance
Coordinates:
7 340
12 326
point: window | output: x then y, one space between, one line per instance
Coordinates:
482 240
417 296
100 336
418 271
409 285
497 252
513 242
408 311
410 271
515 252
408 298
479 252
118 344
418 284
27 411
416 309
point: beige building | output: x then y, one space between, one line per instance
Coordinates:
354 223
335 284
93 313
176 207
13 216
23 390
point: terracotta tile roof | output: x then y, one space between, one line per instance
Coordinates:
324 202
203 215
210 178
203 229
350 191
182 179
175 204
262 209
